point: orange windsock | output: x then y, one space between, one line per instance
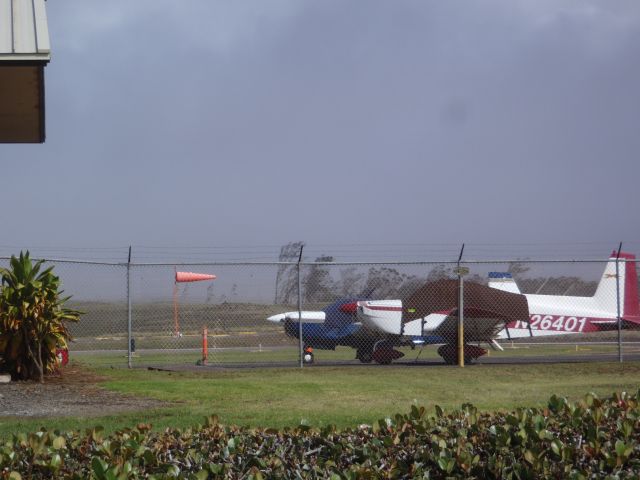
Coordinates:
193 277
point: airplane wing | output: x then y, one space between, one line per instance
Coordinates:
307 317
479 325
486 309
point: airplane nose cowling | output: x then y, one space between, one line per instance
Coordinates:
277 318
351 308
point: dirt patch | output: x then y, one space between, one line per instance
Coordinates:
77 392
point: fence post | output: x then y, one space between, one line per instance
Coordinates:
205 345
129 333
618 303
461 272
300 342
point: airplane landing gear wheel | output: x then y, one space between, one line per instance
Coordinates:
453 360
450 359
449 354
365 355
307 356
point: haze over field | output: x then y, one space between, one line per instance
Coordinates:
212 123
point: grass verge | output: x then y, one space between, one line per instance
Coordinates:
343 396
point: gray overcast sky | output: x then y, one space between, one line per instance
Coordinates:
205 122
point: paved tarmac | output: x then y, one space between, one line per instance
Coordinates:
487 360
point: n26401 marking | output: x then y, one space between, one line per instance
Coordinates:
553 322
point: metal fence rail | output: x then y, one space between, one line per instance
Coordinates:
458 312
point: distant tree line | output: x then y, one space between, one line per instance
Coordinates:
323 283
563 285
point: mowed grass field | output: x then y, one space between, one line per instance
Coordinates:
345 396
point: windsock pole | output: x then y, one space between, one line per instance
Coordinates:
181 277
176 326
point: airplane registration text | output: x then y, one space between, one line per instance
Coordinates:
552 322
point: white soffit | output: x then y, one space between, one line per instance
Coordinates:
24 34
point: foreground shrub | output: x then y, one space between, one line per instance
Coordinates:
32 319
590 439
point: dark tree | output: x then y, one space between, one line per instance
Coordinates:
317 283
441 272
287 277
351 282
387 282
518 269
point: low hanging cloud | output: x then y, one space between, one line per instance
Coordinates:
263 122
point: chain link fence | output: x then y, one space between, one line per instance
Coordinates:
352 313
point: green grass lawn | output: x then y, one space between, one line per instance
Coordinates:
344 396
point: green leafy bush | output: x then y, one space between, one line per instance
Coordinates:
593 438
32 319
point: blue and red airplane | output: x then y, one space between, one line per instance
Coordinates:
374 328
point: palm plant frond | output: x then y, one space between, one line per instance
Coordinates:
32 318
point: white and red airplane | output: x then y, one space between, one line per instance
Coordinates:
491 313
486 321
561 315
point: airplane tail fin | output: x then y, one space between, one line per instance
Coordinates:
606 293
503 281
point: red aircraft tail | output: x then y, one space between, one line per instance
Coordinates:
631 307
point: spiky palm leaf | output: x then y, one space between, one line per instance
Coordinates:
32 318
